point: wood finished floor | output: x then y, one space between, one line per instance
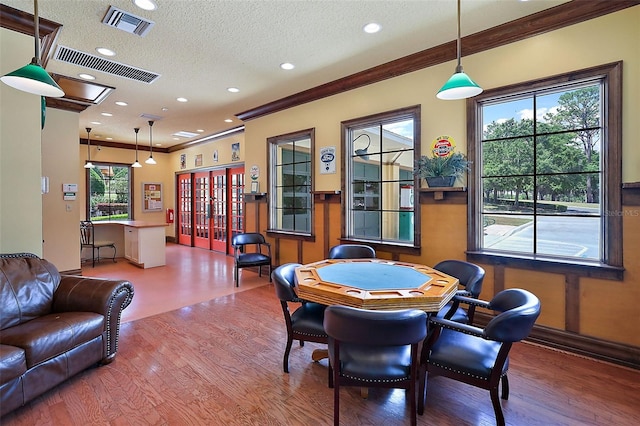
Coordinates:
214 357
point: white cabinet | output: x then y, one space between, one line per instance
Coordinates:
145 246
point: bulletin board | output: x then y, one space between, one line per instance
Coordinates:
151 197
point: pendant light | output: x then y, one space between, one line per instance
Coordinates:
150 160
459 86
136 164
32 78
88 164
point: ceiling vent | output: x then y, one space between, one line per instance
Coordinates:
125 21
86 60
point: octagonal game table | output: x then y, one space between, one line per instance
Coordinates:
375 284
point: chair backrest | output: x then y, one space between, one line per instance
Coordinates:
247 238
470 275
86 232
284 281
352 251
375 328
518 309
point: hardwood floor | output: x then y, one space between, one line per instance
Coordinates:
214 357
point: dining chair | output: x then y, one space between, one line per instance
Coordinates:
470 278
306 322
478 356
352 251
87 240
374 349
249 250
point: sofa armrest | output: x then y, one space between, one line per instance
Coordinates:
103 296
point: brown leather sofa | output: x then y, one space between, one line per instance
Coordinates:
52 326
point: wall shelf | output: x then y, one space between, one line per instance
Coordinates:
255 197
439 193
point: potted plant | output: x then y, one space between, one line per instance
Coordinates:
441 171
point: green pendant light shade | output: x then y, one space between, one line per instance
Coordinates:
32 78
460 85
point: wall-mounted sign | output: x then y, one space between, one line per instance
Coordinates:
328 160
254 172
443 146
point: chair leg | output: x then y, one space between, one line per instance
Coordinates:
235 276
497 408
422 391
505 387
336 402
285 360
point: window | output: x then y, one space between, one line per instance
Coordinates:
290 197
547 184
109 192
378 180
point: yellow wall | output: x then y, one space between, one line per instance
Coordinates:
60 146
20 157
606 306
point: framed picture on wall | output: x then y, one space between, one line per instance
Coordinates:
198 161
151 197
255 187
183 161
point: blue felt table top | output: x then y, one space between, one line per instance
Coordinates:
373 276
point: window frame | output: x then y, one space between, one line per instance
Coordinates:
413 112
611 264
272 182
131 202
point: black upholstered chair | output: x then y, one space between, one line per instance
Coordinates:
471 277
88 241
250 250
306 321
352 251
374 349
476 356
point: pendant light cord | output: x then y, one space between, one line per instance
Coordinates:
459 43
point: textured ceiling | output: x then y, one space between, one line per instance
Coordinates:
200 48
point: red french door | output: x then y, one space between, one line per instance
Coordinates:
211 208
184 209
201 209
218 207
236 203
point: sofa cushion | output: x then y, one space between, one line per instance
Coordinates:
12 363
27 285
50 335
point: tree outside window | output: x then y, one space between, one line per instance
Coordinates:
548 167
109 192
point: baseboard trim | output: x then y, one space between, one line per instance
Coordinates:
604 350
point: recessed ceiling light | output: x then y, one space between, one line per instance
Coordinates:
165 109
96 122
372 28
106 114
228 120
287 66
121 103
109 138
182 99
106 52
146 4
158 144
200 130
86 76
233 89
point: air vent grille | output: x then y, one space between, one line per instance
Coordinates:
125 21
76 57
